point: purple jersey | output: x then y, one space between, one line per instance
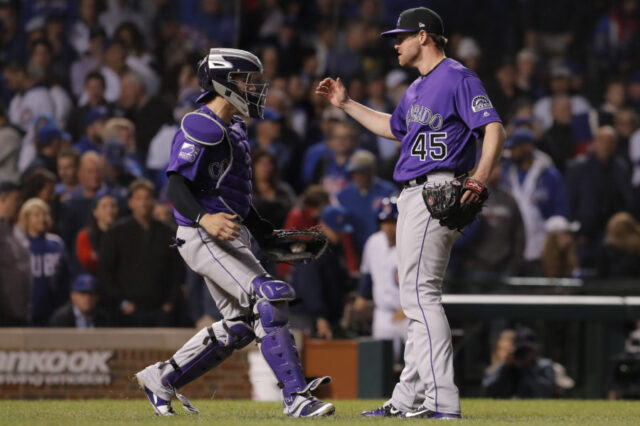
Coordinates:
437 119
215 158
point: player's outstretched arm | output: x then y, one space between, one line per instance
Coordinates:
375 121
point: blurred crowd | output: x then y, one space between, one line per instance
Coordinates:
92 92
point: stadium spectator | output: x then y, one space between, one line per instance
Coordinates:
50 140
522 374
103 215
74 213
504 91
597 187
147 112
82 311
620 254
39 183
627 124
616 36
268 138
362 196
30 98
12 41
492 246
91 138
331 170
49 262
526 61
537 187
559 141
379 281
139 273
559 256
68 163
614 99
95 102
138 59
9 148
559 84
271 197
123 132
15 261
322 285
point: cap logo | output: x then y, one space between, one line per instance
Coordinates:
421 25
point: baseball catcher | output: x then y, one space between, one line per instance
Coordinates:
444 201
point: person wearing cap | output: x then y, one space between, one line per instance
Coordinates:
559 256
379 280
598 186
82 310
559 141
49 262
438 120
91 140
538 187
322 285
50 140
15 261
362 196
268 136
523 374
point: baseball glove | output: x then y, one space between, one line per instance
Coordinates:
443 201
294 245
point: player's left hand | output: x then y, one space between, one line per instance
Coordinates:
220 226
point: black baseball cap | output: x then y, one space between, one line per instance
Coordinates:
416 19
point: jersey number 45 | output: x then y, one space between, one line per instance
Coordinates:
430 145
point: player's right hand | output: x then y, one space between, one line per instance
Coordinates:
220 226
334 91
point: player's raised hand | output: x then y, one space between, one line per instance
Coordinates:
334 91
220 226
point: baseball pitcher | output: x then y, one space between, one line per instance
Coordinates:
437 121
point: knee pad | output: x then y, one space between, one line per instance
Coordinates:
272 289
273 315
206 350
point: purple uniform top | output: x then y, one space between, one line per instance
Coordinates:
437 119
215 158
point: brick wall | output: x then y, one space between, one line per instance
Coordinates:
133 349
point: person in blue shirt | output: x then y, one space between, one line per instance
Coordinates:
49 262
362 196
538 188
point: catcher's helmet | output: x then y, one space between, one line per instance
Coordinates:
388 209
236 75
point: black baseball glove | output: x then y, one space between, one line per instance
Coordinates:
294 245
443 201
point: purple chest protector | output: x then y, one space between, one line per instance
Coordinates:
216 159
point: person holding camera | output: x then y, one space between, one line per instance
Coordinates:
521 374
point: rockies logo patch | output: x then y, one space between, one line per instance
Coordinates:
189 152
480 102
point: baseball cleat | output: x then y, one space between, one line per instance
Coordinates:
425 413
159 395
385 411
160 406
307 405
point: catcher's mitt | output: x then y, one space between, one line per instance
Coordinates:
443 201
294 245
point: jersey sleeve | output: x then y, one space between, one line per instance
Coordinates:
186 157
473 104
398 122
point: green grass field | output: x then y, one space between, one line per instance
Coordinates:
244 413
